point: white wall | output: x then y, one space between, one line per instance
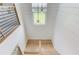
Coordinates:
38 31
52 11
20 10
66 36
17 37
8 45
24 10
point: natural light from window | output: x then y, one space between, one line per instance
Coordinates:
39 13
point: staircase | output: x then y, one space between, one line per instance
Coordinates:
39 47
9 20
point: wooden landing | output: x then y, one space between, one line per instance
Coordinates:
40 47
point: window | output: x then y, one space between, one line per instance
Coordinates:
8 21
39 13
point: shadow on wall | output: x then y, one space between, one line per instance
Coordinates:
17 51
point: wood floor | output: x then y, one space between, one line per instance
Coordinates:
40 47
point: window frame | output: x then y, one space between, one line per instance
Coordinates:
38 16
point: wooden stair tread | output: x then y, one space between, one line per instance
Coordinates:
39 47
31 50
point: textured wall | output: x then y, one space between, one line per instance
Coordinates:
66 35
